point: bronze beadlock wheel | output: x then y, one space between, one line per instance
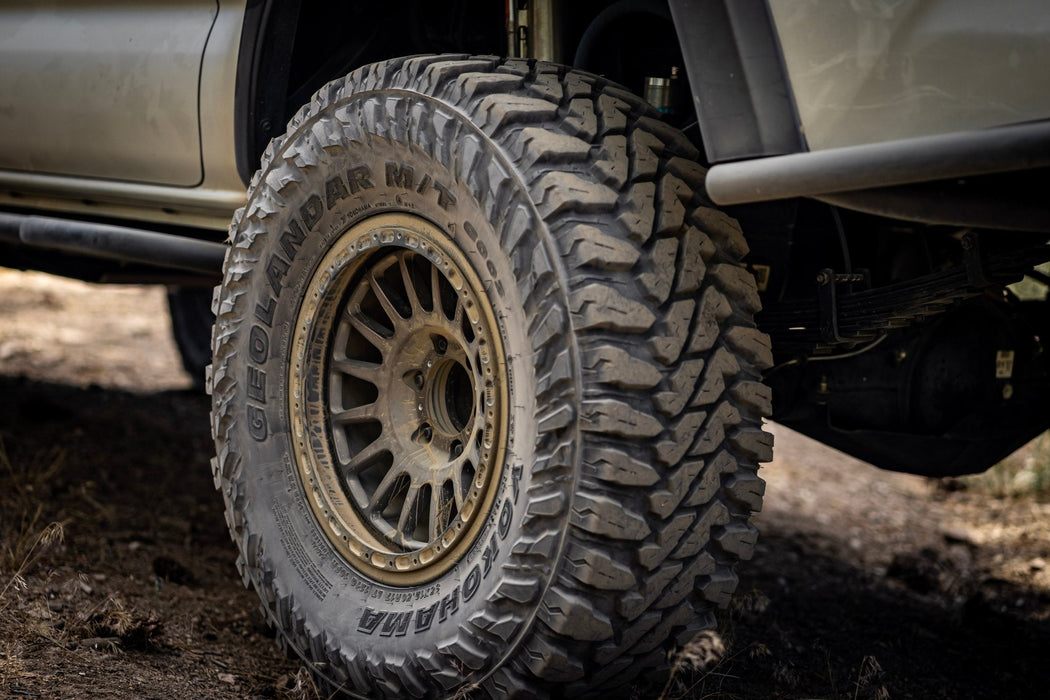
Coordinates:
399 373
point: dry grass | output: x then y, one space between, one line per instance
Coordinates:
702 654
111 625
24 538
298 686
26 504
23 492
43 540
868 683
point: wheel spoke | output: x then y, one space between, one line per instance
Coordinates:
368 371
378 498
384 300
358 414
457 487
363 325
409 516
410 287
476 436
436 527
457 315
366 456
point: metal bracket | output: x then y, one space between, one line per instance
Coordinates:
976 266
827 295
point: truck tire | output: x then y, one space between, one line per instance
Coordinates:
191 322
486 385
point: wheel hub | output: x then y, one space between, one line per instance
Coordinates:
398 399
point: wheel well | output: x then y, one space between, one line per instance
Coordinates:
291 48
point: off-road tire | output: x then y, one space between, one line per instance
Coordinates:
631 370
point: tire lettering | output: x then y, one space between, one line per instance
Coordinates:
356 584
402 176
425 617
259 344
515 473
424 593
356 212
505 516
265 313
449 605
471 231
396 625
276 269
489 555
445 197
256 384
292 239
424 184
471 583
370 619
312 211
334 190
256 422
293 547
359 178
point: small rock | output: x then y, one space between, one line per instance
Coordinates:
960 535
227 678
1037 564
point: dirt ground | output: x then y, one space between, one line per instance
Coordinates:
117 576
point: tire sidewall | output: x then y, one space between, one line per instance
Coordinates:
332 600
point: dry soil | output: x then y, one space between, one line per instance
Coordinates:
117 577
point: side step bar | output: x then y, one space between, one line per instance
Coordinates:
851 168
114 242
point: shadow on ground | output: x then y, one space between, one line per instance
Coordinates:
132 589
140 597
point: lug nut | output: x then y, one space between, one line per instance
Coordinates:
426 432
457 450
441 345
418 380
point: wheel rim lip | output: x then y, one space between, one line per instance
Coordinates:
332 499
